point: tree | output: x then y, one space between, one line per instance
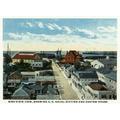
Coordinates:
21 61
77 65
87 64
7 59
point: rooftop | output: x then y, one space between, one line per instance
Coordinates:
48 97
16 73
104 70
112 75
20 92
28 73
89 73
108 61
97 86
24 55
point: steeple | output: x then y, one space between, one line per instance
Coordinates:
8 49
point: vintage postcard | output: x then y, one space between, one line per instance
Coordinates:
59 59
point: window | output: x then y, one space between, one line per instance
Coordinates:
110 97
79 86
9 83
38 91
12 83
37 74
95 95
103 96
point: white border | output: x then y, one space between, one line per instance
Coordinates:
72 101
51 9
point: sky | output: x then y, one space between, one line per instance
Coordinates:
65 34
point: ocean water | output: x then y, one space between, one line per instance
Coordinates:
84 53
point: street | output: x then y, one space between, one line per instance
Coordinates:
66 92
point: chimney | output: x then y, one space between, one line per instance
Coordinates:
107 57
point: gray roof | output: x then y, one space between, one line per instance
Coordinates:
70 68
48 97
27 89
98 86
15 72
32 87
20 92
104 70
112 75
86 74
108 61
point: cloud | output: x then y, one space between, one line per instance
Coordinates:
29 24
67 29
108 29
40 25
56 26
15 36
63 29
50 26
107 32
33 24
66 41
58 38
87 33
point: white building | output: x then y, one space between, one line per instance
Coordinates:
39 76
14 79
108 77
37 64
30 76
106 63
99 91
83 78
45 75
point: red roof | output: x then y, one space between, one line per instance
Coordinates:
97 86
24 56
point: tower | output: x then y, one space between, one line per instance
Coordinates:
8 50
58 54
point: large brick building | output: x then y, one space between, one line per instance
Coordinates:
71 57
27 57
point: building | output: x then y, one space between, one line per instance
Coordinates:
58 54
69 70
29 76
14 79
28 57
42 76
71 57
80 79
35 91
23 93
107 63
109 77
48 97
111 80
46 54
99 91
37 64
83 78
